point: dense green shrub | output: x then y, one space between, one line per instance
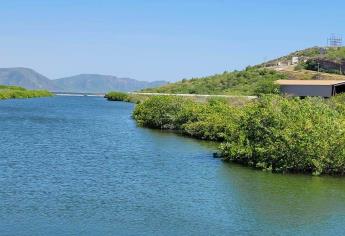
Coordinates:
163 112
271 133
8 92
336 53
210 121
10 87
213 121
289 135
117 96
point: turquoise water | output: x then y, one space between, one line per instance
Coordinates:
81 166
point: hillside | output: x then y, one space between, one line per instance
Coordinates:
248 82
330 53
26 78
312 63
321 59
302 74
85 83
94 83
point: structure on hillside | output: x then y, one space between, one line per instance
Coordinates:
284 63
295 60
308 88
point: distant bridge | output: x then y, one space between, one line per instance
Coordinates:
79 94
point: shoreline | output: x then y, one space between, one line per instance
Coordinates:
269 133
15 92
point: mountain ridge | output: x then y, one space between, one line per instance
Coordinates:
26 78
96 83
92 83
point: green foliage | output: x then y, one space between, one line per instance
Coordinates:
251 81
8 92
9 87
163 112
289 135
337 103
309 52
272 132
301 66
213 121
117 96
327 60
312 65
336 53
266 87
125 97
319 65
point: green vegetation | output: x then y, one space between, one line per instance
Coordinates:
335 53
329 60
260 79
125 97
8 92
271 133
328 53
252 81
117 96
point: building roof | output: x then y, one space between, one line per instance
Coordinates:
310 82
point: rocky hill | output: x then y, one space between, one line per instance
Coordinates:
26 78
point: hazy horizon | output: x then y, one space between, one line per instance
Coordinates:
154 40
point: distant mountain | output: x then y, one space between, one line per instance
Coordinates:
94 83
26 78
85 83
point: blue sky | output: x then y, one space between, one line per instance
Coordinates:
159 40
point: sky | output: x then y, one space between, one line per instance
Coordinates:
159 39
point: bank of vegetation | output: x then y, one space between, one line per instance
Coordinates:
8 92
125 97
251 81
272 133
118 96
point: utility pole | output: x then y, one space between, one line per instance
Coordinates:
340 71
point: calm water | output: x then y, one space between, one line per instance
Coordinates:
80 166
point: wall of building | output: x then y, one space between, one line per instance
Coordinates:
307 90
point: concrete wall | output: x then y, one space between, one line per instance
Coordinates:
307 90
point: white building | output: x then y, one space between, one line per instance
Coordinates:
294 60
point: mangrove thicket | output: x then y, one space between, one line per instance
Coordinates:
272 132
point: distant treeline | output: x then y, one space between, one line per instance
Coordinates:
8 92
125 97
271 133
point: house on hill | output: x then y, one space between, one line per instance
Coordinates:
311 88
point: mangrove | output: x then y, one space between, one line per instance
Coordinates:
11 92
272 133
